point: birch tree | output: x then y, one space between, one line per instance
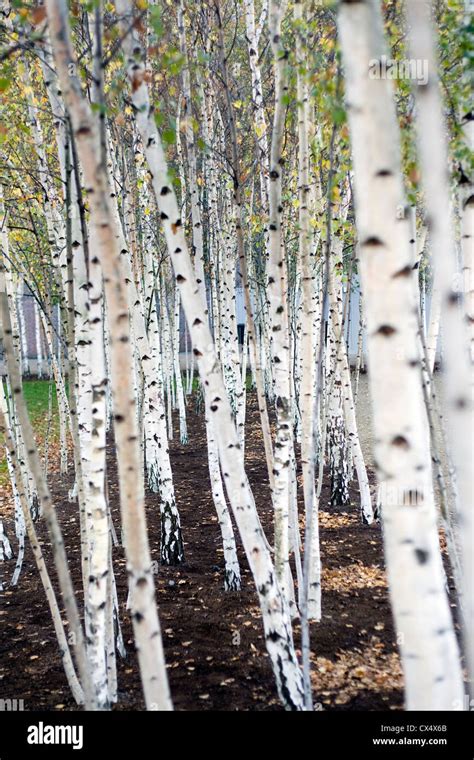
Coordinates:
422 615
143 608
457 373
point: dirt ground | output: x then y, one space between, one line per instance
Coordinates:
213 640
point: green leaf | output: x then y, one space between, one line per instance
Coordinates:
169 136
155 20
99 108
338 115
159 118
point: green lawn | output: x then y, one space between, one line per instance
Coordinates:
37 400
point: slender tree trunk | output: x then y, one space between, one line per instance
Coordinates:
64 650
423 620
308 276
45 500
144 613
277 300
458 375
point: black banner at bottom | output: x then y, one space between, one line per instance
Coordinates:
382 734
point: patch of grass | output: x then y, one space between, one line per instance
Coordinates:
36 394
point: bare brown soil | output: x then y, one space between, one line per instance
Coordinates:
213 640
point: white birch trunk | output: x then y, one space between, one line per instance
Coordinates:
422 615
39 347
277 302
144 613
457 369
65 653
